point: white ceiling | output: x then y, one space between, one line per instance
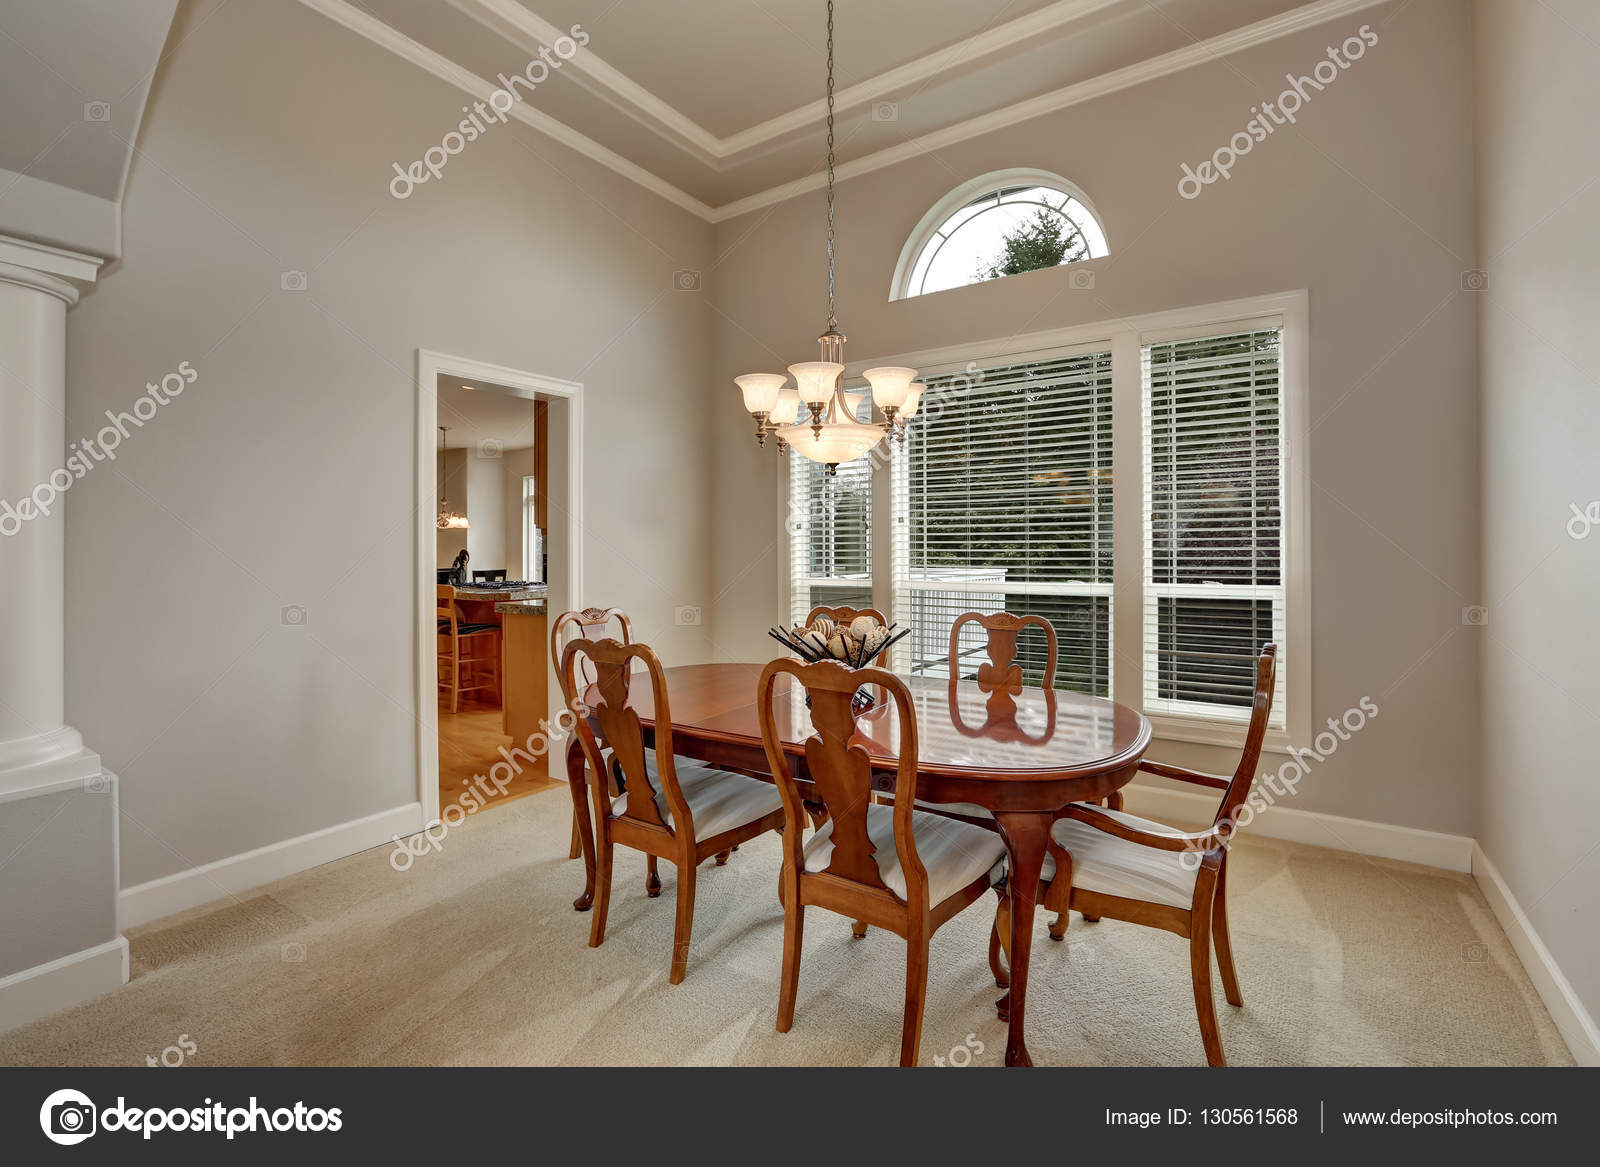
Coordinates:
56 58
477 411
717 104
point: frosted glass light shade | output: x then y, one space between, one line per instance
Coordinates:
853 399
913 399
839 441
816 380
760 390
890 384
786 409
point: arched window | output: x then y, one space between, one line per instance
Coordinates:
997 225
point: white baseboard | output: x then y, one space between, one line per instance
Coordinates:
200 885
1566 1010
62 983
1431 848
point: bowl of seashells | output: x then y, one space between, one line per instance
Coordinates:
855 643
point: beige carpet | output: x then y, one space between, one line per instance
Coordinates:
475 957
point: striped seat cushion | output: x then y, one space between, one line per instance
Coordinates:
1111 866
955 853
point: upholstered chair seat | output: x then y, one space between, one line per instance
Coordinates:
955 853
718 801
1115 867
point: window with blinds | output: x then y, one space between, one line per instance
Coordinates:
1213 523
830 536
1003 502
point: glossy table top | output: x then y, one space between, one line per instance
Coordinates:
963 730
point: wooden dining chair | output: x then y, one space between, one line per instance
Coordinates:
893 866
844 614
458 639
673 808
1001 673
591 624
1106 863
1003 629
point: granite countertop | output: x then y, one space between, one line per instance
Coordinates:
529 603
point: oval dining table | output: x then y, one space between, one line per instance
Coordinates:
1019 753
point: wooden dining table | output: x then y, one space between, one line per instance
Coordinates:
1019 753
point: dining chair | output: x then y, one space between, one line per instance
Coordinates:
844 614
1003 629
1108 863
894 866
458 638
591 624
672 808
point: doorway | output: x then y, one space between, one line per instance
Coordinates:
498 549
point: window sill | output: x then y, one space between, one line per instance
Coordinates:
1211 732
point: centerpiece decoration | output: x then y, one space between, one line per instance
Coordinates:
856 644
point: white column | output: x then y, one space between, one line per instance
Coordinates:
33 346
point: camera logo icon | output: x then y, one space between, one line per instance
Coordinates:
292 616
490 447
686 280
67 1117
97 111
886 111
1474 281
1082 279
292 281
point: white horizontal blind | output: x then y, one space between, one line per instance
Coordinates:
830 534
1003 503
1213 523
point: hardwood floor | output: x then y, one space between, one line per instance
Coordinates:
469 745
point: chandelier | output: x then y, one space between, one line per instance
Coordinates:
830 432
448 519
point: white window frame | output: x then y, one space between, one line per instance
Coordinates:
530 529
796 606
938 214
1126 338
1197 721
899 490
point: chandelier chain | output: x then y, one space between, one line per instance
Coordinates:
833 319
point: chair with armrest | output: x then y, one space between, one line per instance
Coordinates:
894 866
1106 863
673 808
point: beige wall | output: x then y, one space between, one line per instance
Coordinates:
519 464
452 541
1368 204
1538 162
285 474
486 502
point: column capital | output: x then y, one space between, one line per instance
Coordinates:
46 268
27 277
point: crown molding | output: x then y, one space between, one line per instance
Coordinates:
991 41
526 29
364 25
700 141
530 31
1176 61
